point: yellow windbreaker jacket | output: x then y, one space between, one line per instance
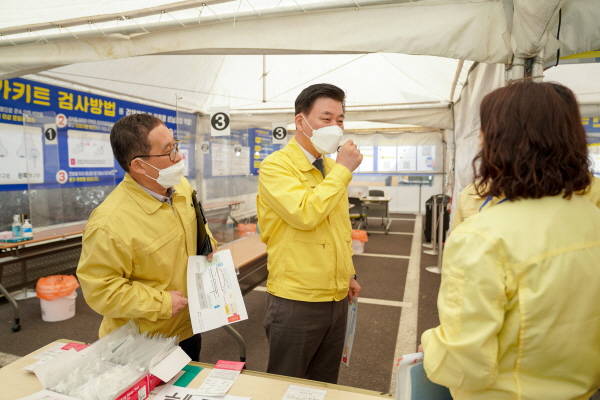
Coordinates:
304 221
135 250
519 316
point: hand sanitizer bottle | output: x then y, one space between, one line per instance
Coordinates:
27 229
17 229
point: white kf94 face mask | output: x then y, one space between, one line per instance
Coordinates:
170 176
326 139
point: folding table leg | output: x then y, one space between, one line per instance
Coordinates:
239 339
17 321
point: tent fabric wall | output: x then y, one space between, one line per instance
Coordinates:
483 79
530 27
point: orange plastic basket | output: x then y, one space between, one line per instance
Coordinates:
55 286
357 234
246 229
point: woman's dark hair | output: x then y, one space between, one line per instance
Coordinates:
309 95
533 143
129 136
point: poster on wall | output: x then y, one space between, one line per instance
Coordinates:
65 140
230 159
592 128
262 146
387 159
425 157
21 155
368 162
89 149
407 158
594 153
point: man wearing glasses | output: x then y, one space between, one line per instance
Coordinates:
136 244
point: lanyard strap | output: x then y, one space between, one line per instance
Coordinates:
488 199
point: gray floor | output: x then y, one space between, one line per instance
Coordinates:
373 353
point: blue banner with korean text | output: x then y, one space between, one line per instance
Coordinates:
52 136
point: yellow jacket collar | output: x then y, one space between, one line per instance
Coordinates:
297 155
146 202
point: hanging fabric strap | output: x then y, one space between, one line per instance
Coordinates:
203 245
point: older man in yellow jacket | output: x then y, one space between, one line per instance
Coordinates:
303 217
136 243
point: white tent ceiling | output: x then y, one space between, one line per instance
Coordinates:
201 82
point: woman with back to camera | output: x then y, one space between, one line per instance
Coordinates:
518 302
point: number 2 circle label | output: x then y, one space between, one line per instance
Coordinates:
61 120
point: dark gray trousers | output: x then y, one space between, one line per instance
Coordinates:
306 339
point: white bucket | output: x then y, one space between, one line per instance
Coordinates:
59 309
358 247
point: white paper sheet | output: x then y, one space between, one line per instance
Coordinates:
350 331
214 294
295 392
218 382
171 365
170 392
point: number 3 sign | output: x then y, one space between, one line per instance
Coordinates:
279 134
220 122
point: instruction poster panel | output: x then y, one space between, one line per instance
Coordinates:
21 154
426 157
89 149
387 159
261 141
214 294
406 158
594 152
229 159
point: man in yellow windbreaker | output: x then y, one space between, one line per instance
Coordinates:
136 244
303 217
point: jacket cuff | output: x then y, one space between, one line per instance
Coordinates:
341 173
166 308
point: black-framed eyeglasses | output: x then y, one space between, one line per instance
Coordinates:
172 154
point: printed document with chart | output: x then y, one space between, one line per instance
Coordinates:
214 294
